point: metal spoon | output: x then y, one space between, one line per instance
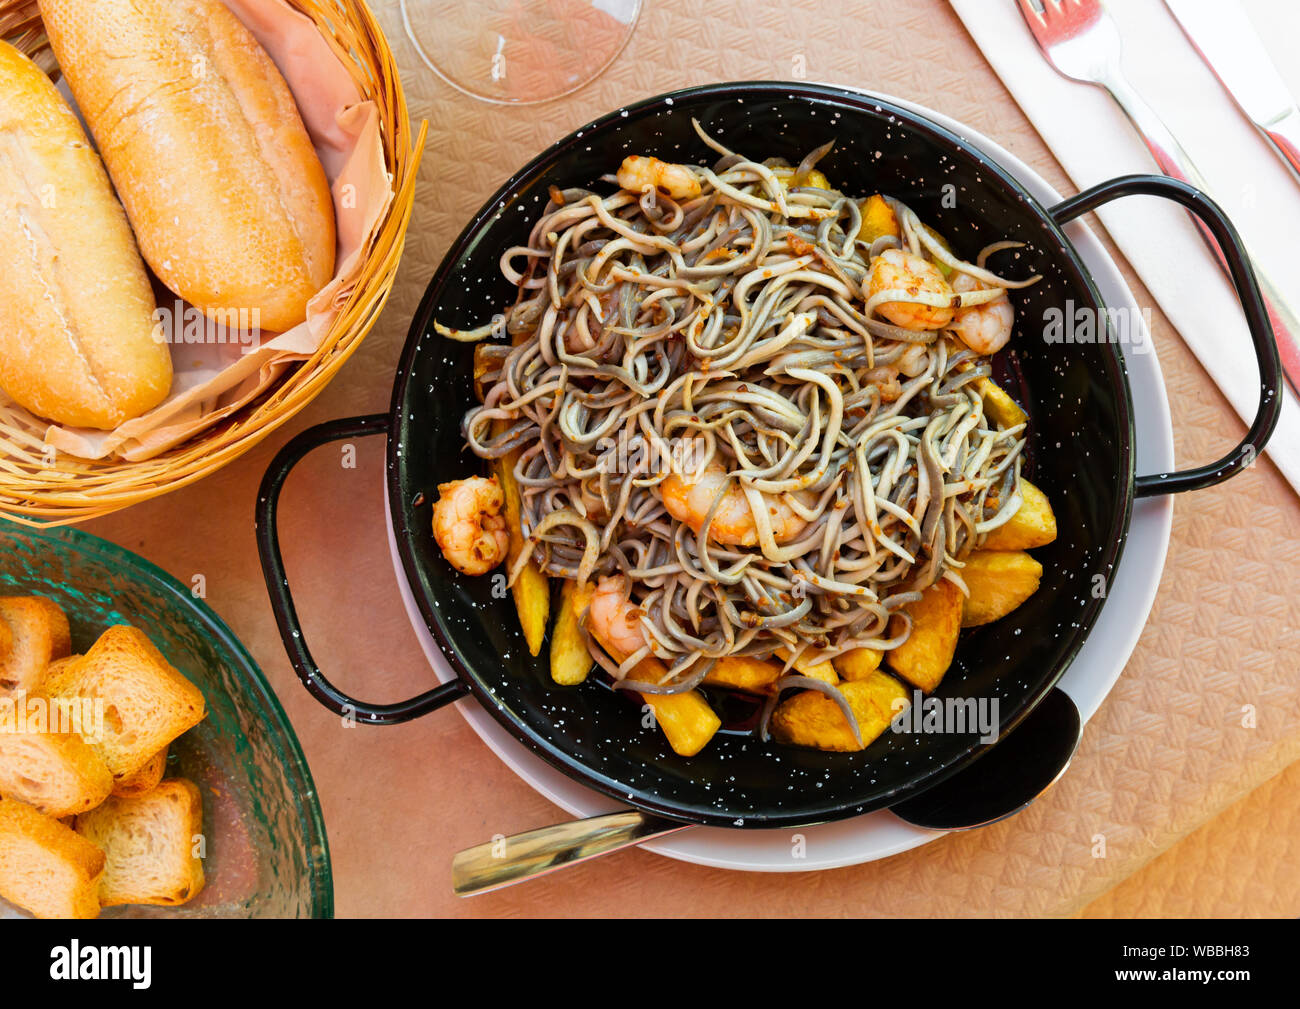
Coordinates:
511 860
1005 779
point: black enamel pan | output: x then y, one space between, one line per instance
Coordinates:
1080 452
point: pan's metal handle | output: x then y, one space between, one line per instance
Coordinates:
1243 279
277 584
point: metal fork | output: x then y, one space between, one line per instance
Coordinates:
1082 42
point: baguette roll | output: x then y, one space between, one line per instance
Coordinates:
77 342
207 150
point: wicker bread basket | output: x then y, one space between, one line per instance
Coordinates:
39 490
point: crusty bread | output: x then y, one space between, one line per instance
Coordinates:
207 149
150 845
147 702
144 780
56 772
38 630
46 867
6 643
76 308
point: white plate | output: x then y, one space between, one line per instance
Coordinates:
1094 671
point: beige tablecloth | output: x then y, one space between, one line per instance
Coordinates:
1164 758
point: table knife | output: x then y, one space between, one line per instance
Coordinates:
1230 47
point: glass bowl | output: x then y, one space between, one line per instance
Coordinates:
267 853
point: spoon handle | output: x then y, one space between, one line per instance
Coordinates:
509 860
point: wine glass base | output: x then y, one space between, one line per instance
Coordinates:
519 52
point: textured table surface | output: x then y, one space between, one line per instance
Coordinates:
1198 812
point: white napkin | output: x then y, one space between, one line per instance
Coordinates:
1093 141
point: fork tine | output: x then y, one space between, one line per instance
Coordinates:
1055 21
1035 14
1028 9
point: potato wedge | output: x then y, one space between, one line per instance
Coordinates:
812 719
878 220
818 669
488 360
570 659
926 655
686 719
1032 525
999 581
815 179
531 590
858 664
743 672
999 405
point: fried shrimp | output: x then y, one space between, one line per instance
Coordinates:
614 619
469 525
924 297
733 522
678 181
984 328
